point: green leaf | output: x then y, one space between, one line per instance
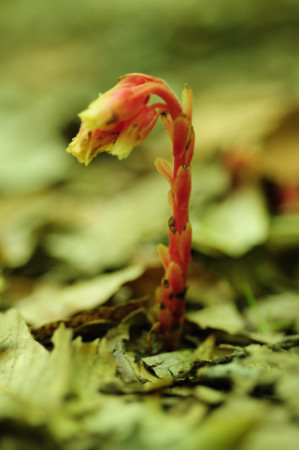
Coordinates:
234 226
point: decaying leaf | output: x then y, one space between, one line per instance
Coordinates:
92 323
72 368
59 303
170 365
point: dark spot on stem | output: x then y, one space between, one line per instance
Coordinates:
175 327
166 283
171 224
162 306
181 295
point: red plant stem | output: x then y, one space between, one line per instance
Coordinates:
171 294
164 92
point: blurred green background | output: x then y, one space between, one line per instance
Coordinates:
57 55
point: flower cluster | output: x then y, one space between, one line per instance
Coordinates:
118 120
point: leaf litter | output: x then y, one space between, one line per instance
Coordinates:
76 372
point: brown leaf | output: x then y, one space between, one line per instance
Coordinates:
93 323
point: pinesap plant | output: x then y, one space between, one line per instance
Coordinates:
118 121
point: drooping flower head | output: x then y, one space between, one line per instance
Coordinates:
120 119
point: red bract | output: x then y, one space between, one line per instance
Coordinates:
118 121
